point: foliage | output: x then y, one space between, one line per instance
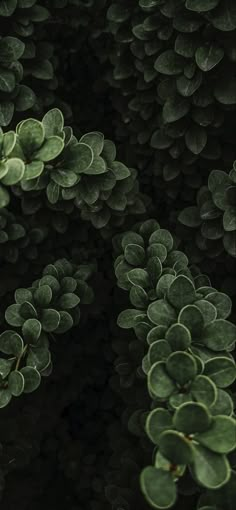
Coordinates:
187 362
215 214
50 306
139 408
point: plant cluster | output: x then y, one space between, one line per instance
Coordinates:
117 258
188 364
49 307
215 214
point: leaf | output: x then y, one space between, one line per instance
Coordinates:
191 317
5 366
11 48
69 300
207 57
196 139
138 297
15 171
7 80
224 17
50 149
11 343
163 284
31 135
223 404
7 7
159 382
43 70
229 219
158 487
162 236
25 98
53 192
179 337
95 140
190 217
192 417
120 171
50 320
53 123
175 109
208 310
158 351
221 302
175 447
33 170
134 254
221 370
154 269
16 383
43 296
210 469
65 324
4 197
161 313
79 158
139 277
6 112
204 390
169 63
181 367
32 379
5 394
8 143
12 315
158 421
181 292
28 311
129 318
201 5
219 335
220 438
31 331
39 358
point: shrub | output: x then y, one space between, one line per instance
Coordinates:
117 258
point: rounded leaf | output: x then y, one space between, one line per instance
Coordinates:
192 417
181 292
181 367
16 383
161 313
158 487
221 436
159 382
31 331
219 335
175 447
157 422
210 469
32 379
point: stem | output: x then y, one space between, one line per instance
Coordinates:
21 356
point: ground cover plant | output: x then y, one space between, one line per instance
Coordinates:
117 254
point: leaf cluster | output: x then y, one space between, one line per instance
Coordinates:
188 361
49 307
214 215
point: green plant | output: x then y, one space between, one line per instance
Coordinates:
215 214
49 307
138 411
188 362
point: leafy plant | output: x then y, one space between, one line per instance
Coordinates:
50 306
188 362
